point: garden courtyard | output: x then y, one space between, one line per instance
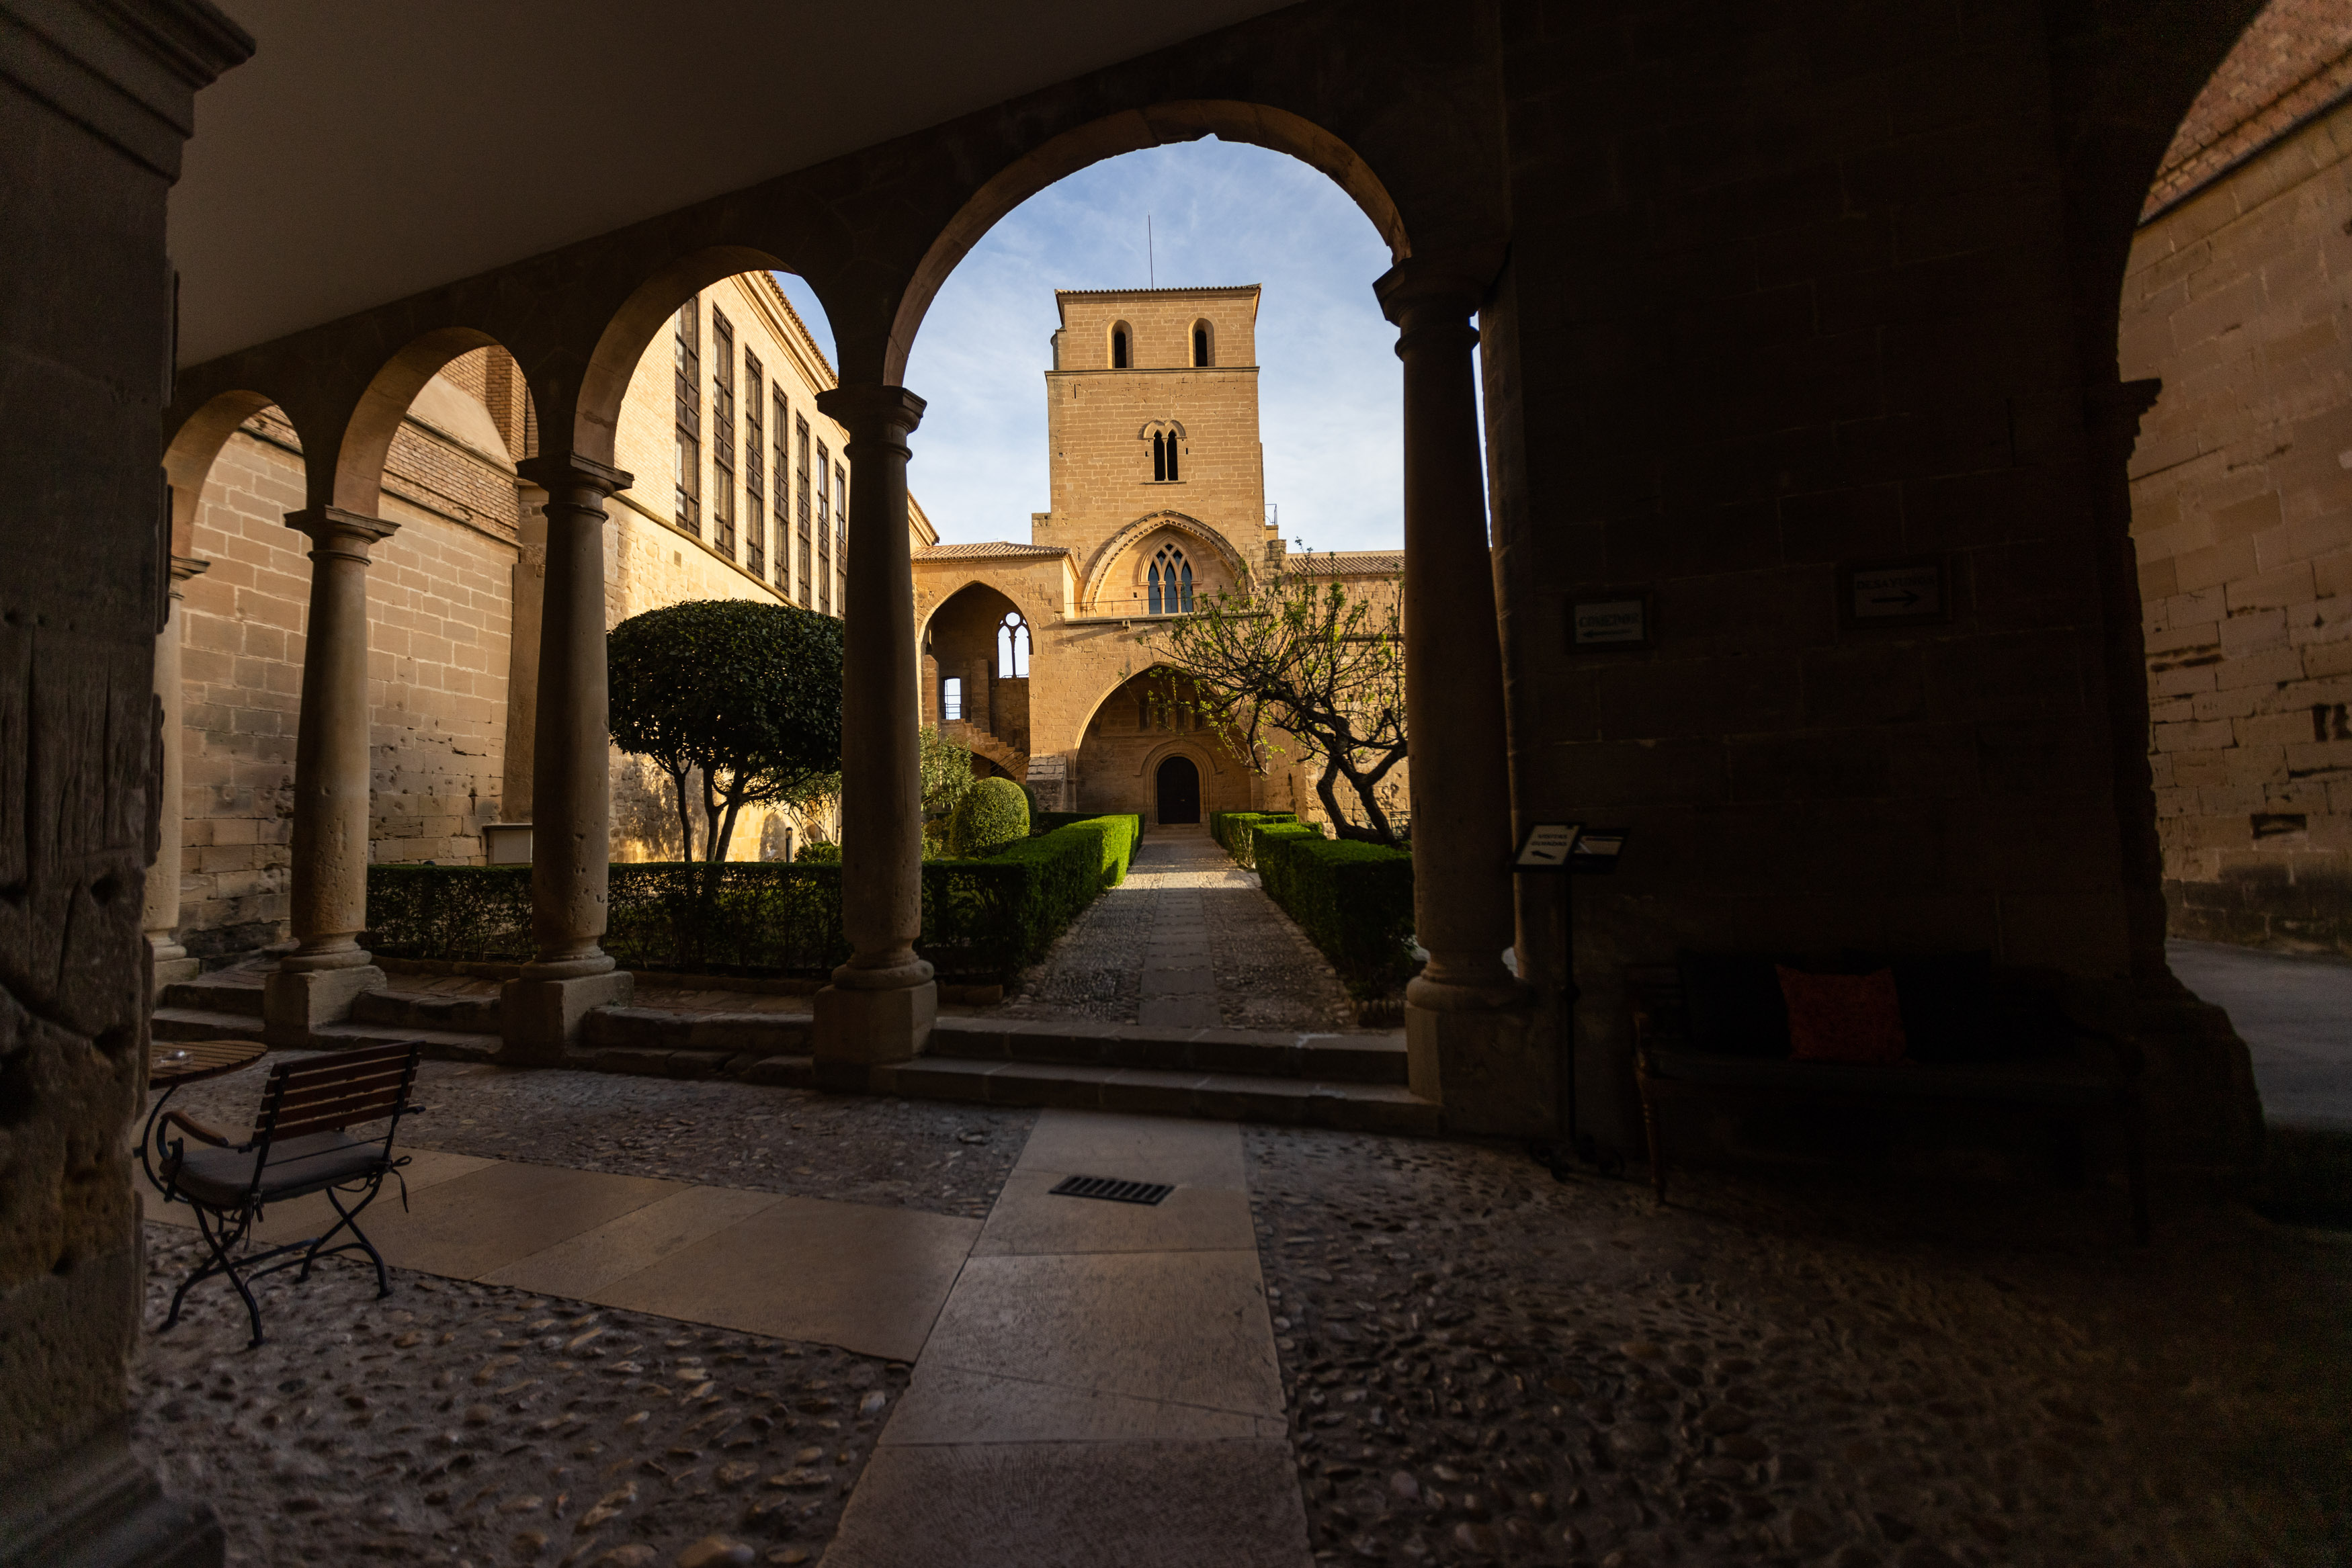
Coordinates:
645 1318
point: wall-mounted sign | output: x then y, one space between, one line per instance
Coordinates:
1547 846
1597 849
1619 619
1892 592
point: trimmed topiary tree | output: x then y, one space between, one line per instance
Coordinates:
747 693
996 813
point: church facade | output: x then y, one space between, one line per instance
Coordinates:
1041 657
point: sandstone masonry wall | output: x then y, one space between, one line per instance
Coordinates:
2240 300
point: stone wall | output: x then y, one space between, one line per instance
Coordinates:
1127 740
2239 299
439 604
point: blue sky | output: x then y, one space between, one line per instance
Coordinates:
1222 213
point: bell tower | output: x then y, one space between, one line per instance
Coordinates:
1152 425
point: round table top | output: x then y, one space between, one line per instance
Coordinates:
186 1061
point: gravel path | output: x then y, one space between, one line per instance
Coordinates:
1268 975
470 1424
1486 1366
942 1159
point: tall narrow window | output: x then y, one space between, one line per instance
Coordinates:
1173 437
1200 343
1158 457
688 381
784 457
950 699
755 467
1012 648
824 529
1119 355
801 490
722 434
1169 586
840 538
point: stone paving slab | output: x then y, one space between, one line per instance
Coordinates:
1076 1505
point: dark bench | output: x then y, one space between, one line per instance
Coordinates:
2012 1046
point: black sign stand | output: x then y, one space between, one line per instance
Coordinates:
1589 852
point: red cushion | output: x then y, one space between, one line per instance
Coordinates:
1843 1017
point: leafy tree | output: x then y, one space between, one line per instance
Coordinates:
745 694
994 814
947 778
1301 657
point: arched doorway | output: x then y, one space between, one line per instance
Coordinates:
1179 791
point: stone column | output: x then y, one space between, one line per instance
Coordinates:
572 785
162 916
882 1003
1469 1022
315 984
522 656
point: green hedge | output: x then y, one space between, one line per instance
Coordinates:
1232 829
983 919
994 814
1353 900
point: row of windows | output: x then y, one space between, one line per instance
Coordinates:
1122 340
820 483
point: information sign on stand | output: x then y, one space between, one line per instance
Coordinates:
1547 846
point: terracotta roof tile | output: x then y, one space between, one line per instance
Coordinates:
983 551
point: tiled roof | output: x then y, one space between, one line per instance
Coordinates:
1349 562
1103 293
982 551
2292 61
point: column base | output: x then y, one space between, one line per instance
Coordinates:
97 1507
1485 1066
296 1002
172 965
856 1029
539 1020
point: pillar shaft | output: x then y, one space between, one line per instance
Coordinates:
331 748
1454 658
162 914
572 789
882 1003
522 656
881 742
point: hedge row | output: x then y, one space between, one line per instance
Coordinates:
1353 900
983 919
1232 829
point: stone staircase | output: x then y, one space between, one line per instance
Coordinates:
1352 1080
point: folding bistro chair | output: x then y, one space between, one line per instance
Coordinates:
299 1145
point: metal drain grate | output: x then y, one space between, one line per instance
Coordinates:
1112 1188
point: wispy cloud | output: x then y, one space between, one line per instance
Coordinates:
1222 213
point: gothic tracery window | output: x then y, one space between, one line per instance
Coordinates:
1168 585
1012 648
1164 447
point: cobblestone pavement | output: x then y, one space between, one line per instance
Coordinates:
942 1159
469 1425
1485 1366
1268 976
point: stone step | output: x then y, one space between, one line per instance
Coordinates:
443 1044
1225 1097
203 1023
211 994
1323 1058
763 1034
462 1012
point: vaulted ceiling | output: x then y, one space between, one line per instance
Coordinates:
371 151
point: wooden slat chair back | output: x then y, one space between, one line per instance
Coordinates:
301 1142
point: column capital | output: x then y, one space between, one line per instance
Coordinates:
332 526
553 471
1454 280
184 567
872 410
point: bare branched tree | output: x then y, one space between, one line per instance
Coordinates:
1300 657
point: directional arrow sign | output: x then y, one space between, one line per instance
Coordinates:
1546 846
1913 590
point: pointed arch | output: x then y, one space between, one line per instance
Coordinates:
1107 556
